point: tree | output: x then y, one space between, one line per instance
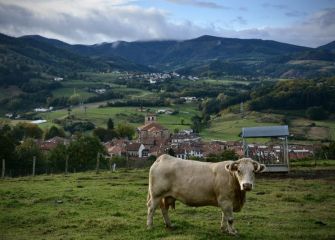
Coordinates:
225 155
7 149
78 126
196 124
25 153
171 152
105 134
57 156
83 152
110 124
54 131
316 113
27 130
125 130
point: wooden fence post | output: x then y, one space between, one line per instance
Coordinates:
3 168
66 163
110 163
34 165
98 163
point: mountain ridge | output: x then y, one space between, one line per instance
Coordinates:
222 56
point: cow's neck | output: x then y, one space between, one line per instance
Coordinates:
239 195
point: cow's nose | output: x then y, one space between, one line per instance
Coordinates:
247 186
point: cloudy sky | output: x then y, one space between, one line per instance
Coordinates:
302 22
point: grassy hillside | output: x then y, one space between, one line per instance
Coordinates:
229 125
113 206
120 114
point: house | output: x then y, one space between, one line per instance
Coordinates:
117 147
136 150
180 153
118 151
187 150
43 109
38 121
58 79
183 137
189 99
51 143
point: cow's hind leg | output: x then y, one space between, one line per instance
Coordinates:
165 204
152 205
227 223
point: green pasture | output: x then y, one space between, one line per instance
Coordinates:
229 125
67 92
113 206
225 81
99 116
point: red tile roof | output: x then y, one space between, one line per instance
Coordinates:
152 127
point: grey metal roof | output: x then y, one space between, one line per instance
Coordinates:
271 131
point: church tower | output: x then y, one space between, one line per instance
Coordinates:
150 118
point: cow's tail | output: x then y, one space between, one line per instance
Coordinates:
148 198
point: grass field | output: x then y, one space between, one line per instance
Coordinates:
100 115
113 206
229 125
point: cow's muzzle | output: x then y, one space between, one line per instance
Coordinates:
247 186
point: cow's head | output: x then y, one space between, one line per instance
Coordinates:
244 169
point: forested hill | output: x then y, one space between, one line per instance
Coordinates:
216 56
32 56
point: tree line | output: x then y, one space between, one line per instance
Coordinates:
21 144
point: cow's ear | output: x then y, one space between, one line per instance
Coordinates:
259 167
230 167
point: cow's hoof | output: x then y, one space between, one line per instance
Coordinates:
170 228
231 232
149 227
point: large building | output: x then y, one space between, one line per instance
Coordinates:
152 132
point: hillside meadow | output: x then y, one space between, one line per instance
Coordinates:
108 205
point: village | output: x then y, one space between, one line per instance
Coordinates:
154 140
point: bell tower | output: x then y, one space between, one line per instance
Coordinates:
150 118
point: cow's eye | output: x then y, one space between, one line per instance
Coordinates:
238 171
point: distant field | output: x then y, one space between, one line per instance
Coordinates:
225 81
113 206
67 92
100 115
229 126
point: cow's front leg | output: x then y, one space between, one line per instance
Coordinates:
227 222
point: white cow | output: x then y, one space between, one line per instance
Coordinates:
222 184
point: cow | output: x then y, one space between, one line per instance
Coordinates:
194 183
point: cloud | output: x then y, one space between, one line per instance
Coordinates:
240 20
245 9
295 13
202 4
94 21
86 24
316 30
276 6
